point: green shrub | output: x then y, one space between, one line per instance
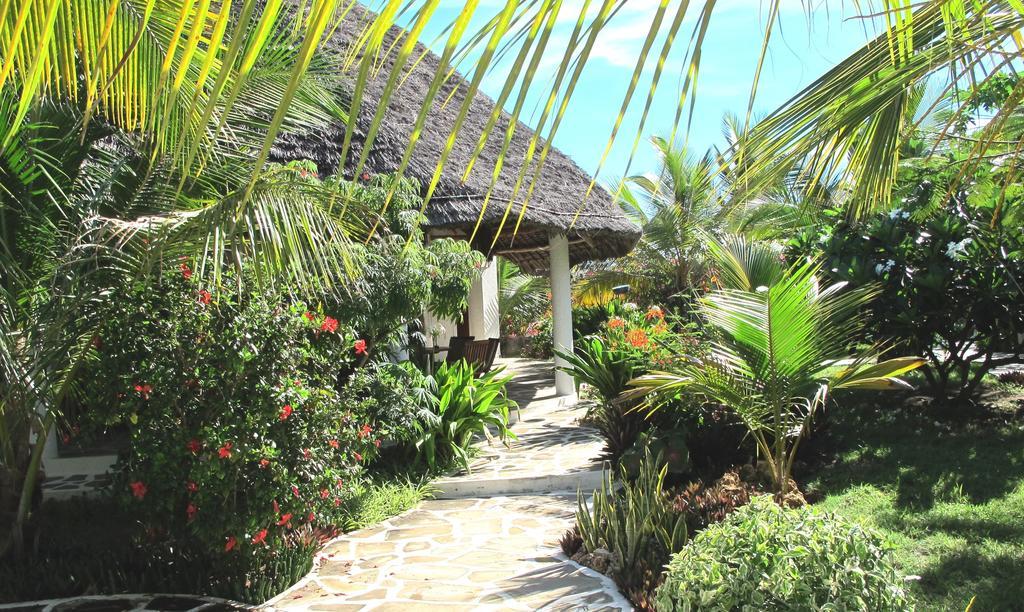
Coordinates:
949 263
766 558
636 525
464 406
96 547
387 394
237 433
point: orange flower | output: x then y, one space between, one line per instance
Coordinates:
655 312
616 323
637 337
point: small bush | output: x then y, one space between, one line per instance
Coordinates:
764 557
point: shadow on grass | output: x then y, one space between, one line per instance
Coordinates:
922 459
995 582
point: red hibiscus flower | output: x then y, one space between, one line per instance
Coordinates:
306 454
309 316
144 390
230 544
190 511
285 412
334 443
295 491
287 516
194 446
264 462
365 176
191 487
330 325
138 489
260 537
310 517
186 272
358 457
339 483
337 502
360 346
377 442
225 451
325 494
277 509
205 297
365 431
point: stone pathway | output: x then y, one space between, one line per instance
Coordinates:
485 548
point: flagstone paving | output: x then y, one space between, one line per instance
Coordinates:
482 552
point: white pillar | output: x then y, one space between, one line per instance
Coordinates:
561 310
484 321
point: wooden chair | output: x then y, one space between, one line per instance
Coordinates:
481 354
457 348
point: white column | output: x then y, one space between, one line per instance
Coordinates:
561 310
484 322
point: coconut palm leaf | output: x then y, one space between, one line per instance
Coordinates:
778 352
856 113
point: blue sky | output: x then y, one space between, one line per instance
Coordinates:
802 48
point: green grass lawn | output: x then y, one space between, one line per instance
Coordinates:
947 492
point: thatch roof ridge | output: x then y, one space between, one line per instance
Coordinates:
600 229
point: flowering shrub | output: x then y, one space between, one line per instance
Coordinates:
647 337
237 433
949 270
538 343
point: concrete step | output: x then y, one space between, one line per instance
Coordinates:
489 486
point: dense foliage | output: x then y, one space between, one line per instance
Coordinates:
237 431
464 405
949 266
764 557
775 355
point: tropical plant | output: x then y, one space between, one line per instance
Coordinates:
949 266
636 524
607 370
672 210
777 354
464 406
522 298
765 557
854 122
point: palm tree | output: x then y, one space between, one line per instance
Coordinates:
522 298
673 209
778 353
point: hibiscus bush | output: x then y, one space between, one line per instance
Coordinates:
237 431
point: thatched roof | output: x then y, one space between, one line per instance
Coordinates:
599 231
